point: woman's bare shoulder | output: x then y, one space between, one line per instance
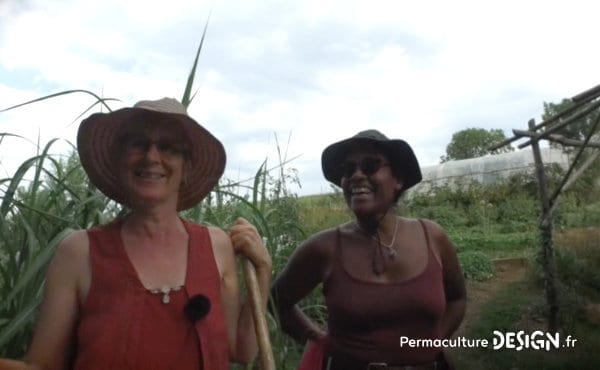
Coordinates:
75 247
322 241
218 236
434 230
222 250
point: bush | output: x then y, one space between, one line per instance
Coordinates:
476 265
577 277
577 267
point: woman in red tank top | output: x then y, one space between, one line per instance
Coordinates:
149 290
384 277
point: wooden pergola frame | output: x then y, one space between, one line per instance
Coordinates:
585 104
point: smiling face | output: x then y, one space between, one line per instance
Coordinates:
151 164
369 186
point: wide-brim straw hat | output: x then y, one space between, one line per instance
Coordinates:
398 152
98 136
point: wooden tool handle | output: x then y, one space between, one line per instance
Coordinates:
265 351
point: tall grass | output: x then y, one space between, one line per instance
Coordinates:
41 203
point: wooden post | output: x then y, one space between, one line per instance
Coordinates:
545 226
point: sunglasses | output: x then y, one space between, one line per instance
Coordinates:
368 166
164 146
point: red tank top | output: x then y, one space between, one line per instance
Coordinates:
367 319
125 326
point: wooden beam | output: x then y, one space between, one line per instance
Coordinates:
587 95
570 142
564 123
546 236
576 159
579 100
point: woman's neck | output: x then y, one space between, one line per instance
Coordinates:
383 225
153 224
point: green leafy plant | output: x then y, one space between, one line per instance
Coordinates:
42 202
476 265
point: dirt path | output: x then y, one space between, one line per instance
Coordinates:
478 293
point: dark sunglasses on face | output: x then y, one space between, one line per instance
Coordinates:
368 166
164 146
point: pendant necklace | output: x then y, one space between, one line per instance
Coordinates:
165 291
391 252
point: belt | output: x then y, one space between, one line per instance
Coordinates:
342 363
384 366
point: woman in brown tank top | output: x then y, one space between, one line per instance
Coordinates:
149 290
384 277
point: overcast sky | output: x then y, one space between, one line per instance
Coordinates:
307 72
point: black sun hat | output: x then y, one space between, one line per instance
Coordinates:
398 152
99 134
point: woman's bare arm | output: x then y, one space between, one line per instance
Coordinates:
54 334
306 268
454 281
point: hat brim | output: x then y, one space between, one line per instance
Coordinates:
98 134
399 153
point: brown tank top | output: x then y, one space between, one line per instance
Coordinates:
367 319
125 326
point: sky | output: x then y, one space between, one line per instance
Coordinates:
284 79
